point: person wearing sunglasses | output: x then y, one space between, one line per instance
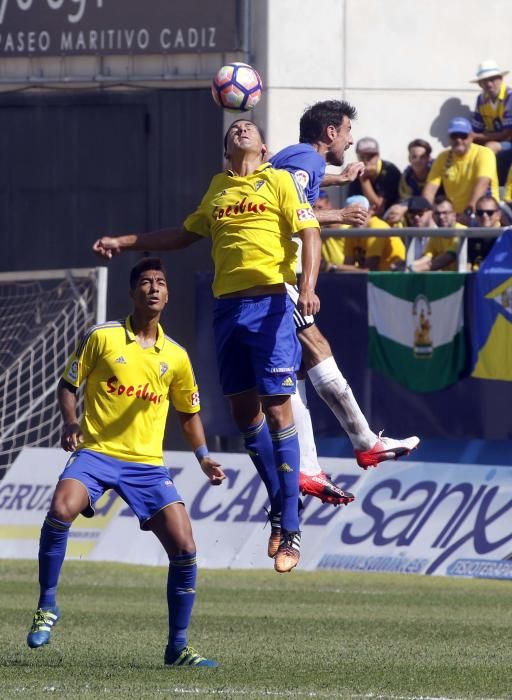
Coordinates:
487 215
492 117
440 253
466 171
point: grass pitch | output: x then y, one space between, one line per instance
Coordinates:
318 634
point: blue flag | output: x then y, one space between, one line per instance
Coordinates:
492 313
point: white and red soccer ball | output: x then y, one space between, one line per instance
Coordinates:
237 87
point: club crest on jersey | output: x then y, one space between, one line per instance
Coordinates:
259 184
73 371
164 367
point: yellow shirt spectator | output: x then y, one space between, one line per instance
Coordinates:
458 174
387 250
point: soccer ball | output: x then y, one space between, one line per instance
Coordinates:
237 87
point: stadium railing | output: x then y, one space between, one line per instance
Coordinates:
408 234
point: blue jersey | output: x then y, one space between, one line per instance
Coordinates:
305 164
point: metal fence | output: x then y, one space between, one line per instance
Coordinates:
408 235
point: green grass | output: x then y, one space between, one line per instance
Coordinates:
318 634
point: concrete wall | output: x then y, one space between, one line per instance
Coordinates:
405 64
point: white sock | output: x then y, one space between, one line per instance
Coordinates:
333 388
302 418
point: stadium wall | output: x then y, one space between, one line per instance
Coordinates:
405 65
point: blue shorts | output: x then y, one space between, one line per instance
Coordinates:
256 344
146 488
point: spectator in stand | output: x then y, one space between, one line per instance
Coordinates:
380 180
415 175
466 171
507 195
419 215
333 248
381 254
440 253
487 215
492 118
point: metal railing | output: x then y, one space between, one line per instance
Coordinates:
408 235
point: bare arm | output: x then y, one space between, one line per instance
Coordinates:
375 199
481 187
309 303
429 191
351 173
71 432
193 432
485 136
164 239
354 215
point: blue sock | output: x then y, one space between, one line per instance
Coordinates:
258 444
52 550
287 458
181 593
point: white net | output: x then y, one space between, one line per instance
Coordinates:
42 315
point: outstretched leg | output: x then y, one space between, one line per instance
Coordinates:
333 388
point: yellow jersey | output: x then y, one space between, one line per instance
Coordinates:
458 174
508 187
333 249
449 244
388 250
251 220
128 390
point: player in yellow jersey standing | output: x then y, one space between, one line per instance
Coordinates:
251 213
132 371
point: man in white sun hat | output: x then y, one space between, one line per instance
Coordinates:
492 118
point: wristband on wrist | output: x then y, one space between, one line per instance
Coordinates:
201 452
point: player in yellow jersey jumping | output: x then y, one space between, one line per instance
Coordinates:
132 371
251 213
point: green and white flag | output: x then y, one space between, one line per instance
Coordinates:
415 328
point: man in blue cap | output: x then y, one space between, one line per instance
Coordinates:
466 171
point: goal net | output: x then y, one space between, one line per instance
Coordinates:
42 315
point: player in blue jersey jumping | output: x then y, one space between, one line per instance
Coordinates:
132 372
325 136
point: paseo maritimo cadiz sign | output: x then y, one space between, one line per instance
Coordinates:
108 27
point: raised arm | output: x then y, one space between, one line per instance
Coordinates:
164 239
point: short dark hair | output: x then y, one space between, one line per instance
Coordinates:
442 198
420 143
143 265
484 198
320 115
243 119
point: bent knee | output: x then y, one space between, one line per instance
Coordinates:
315 347
64 510
69 500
